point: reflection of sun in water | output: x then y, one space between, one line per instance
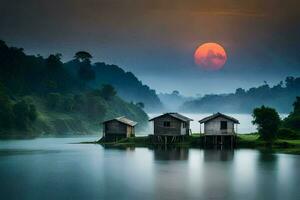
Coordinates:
210 56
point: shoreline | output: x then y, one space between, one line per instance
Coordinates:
244 141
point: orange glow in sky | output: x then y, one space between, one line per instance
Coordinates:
210 56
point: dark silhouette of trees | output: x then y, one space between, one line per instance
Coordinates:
32 114
129 87
140 104
82 56
296 105
68 103
53 62
280 96
6 113
94 107
55 73
176 93
53 100
24 114
32 84
267 121
107 91
293 120
85 72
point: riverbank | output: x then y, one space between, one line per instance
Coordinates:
250 141
289 146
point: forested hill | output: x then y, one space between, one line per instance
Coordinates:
126 83
39 96
280 96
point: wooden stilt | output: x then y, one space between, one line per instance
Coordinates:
222 139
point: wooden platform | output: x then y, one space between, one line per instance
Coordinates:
166 139
220 139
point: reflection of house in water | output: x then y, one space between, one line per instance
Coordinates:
218 155
170 153
118 147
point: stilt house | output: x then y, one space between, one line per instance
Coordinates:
118 128
219 128
171 124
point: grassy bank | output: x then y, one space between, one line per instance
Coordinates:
291 146
196 140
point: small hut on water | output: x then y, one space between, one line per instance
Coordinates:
118 128
219 129
170 127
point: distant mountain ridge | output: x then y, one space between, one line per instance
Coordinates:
280 97
173 101
128 86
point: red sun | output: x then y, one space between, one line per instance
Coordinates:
210 56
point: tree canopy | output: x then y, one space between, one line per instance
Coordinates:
293 120
107 91
267 121
83 56
42 94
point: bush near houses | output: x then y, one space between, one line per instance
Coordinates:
271 127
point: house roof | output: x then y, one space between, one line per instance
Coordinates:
175 115
123 120
211 117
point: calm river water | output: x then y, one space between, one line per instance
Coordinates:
56 168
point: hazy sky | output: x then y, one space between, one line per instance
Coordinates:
156 39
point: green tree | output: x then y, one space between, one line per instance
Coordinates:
267 121
83 55
24 114
6 112
293 120
108 91
53 100
32 114
176 93
140 104
53 62
85 72
68 103
95 109
296 105
79 102
21 113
